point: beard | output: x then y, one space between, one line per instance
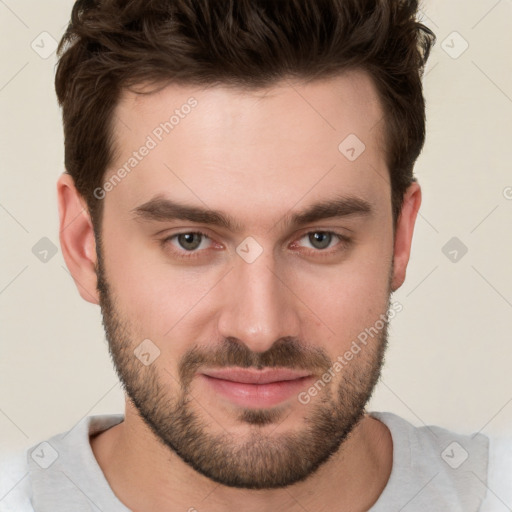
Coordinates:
263 459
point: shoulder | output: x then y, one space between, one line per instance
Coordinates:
14 483
439 445
28 478
455 470
499 493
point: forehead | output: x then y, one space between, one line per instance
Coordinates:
224 145
345 102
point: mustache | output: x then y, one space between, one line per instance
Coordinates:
287 352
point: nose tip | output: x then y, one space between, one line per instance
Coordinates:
258 308
258 335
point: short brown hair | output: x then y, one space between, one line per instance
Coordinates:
114 44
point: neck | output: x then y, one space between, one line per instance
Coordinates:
146 475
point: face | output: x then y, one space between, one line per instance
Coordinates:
242 255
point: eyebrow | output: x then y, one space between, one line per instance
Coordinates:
161 209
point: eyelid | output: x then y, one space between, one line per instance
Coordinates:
344 240
169 238
335 231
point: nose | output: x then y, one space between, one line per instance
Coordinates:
258 305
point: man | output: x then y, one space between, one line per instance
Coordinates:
240 201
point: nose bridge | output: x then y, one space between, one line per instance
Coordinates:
258 308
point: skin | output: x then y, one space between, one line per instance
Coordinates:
256 156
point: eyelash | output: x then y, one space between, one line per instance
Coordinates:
188 255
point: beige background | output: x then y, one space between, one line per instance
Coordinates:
451 346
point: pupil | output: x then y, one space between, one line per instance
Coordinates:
321 237
187 241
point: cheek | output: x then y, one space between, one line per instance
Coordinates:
157 301
347 298
162 300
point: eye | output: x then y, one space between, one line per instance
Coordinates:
187 242
191 244
322 240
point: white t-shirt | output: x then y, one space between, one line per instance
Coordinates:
434 470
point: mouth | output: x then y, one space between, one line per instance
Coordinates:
252 388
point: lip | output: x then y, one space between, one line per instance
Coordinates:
252 376
256 388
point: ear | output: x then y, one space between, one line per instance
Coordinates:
77 238
404 232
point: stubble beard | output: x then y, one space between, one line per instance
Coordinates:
263 458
